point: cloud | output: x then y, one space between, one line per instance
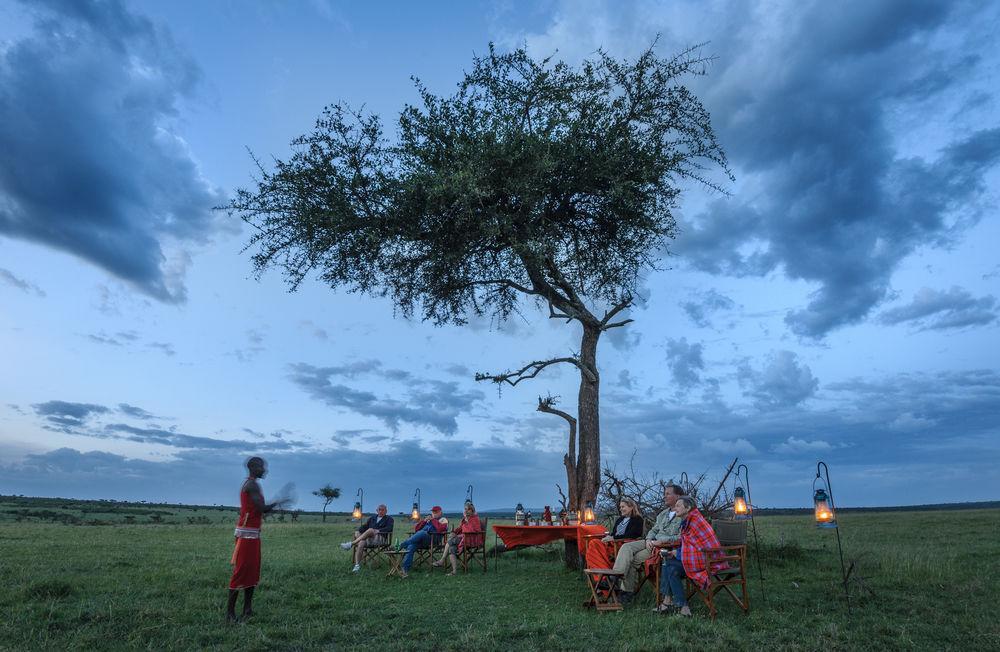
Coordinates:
431 403
685 361
136 412
92 162
794 446
783 382
941 310
807 114
732 447
180 440
65 415
8 277
704 304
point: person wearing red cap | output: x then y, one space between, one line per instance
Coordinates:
434 525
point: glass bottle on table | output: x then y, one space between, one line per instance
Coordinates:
547 515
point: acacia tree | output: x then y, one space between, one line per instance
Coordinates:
534 182
328 493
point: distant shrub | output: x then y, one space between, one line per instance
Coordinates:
129 519
199 520
155 518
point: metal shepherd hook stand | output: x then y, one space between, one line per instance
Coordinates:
753 525
468 495
830 521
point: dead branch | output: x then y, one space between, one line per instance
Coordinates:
532 369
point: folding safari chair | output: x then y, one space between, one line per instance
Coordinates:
375 549
735 574
474 547
429 554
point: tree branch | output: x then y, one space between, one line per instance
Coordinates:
512 378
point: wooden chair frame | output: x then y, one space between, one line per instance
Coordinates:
375 549
474 553
429 554
603 600
723 580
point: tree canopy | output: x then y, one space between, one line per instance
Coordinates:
534 178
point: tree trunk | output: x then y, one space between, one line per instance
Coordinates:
588 465
324 513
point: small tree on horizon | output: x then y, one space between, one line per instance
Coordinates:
328 493
534 183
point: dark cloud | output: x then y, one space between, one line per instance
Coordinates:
782 382
214 476
700 308
685 361
64 415
129 339
254 346
431 403
807 119
11 279
91 164
626 380
459 370
136 412
180 440
941 310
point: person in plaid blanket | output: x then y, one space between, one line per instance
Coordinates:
687 560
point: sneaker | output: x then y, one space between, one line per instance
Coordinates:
345 545
356 569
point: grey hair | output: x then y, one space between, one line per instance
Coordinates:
688 502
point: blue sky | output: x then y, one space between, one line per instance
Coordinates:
839 304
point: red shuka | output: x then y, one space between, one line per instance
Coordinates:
471 530
697 535
246 553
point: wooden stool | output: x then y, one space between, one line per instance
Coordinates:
395 558
608 602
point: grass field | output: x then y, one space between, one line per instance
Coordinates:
146 584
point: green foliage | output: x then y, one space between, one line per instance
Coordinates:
532 178
164 587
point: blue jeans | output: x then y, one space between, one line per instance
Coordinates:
420 539
672 580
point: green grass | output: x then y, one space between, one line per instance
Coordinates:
163 586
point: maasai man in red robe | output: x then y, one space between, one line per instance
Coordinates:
246 554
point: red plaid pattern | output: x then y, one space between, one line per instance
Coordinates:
697 535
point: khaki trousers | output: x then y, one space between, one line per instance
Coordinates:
630 560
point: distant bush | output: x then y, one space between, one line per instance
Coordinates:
156 518
199 520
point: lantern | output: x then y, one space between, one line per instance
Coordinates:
519 514
468 495
825 516
741 510
574 517
588 513
415 514
356 514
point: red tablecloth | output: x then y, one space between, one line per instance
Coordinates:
536 535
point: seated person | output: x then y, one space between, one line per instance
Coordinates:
434 525
632 556
687 561
468 533
376 532
628 526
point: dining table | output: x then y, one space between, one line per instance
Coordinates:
522 536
